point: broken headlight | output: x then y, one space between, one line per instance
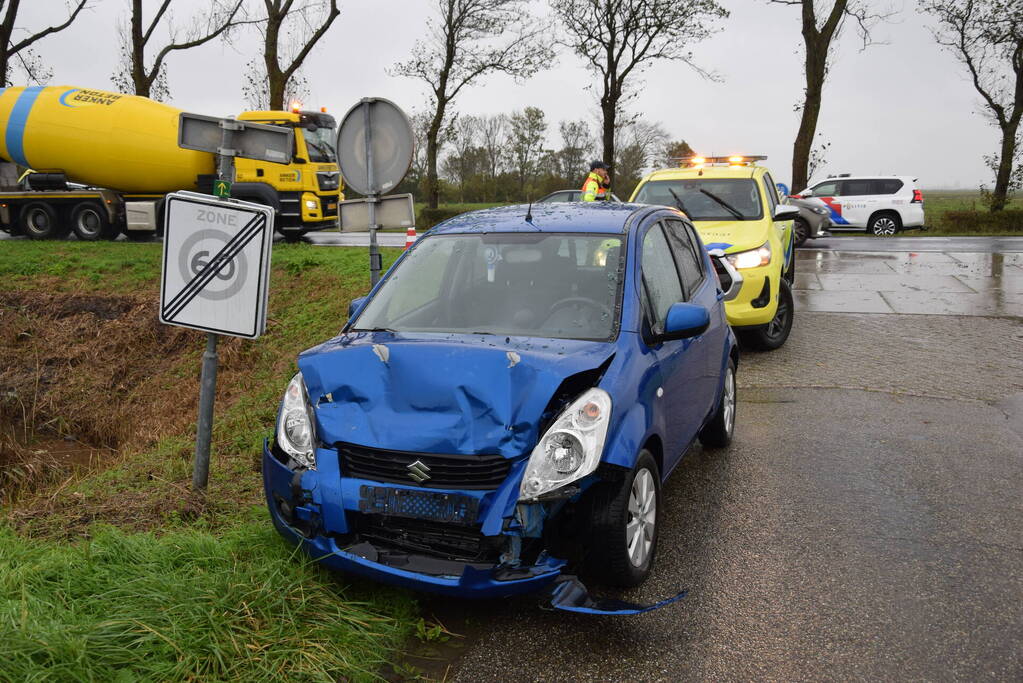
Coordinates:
571 448
296 428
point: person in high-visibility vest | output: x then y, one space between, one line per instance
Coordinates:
597 186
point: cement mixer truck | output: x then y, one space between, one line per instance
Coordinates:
101 163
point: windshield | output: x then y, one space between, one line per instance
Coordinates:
706 199
550 285
320 144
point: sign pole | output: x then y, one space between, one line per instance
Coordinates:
372 199
208 382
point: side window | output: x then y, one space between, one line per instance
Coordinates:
772 192
689 260
829 189
659 276
857 188
888 186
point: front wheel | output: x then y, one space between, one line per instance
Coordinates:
773 335
800 232
626 513
39 221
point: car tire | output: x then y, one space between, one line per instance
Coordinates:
718 432
623 543
884 224
39 221
773 335
90 222
800 232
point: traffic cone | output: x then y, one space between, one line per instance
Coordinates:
410 236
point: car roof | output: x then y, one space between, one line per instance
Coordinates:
593 217
907 178
744 171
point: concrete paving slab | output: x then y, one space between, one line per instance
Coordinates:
955 303
840 302
892 282
1012 284
806 281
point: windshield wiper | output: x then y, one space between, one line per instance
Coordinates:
678 202
373 329
731 209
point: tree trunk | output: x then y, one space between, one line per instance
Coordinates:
274 77
609 109
432 191
816 70
999 198
138 52
4 61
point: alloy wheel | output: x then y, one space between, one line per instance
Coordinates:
728 401
777 326
884 226
639 532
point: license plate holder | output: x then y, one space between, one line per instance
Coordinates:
436 506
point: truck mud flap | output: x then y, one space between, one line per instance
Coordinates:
568 594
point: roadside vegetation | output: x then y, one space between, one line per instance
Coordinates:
966 212
110 567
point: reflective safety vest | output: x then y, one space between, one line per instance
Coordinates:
592 189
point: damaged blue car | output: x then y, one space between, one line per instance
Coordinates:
504 406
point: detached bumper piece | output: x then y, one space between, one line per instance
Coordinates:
568 594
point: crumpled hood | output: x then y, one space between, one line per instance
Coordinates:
447 394
738 235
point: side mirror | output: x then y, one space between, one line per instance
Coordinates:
685 320
805 193
785 212
355 306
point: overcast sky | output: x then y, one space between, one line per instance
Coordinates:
902 108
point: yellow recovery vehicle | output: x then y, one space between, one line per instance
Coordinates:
103 162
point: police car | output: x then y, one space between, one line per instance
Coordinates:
736 208
881 205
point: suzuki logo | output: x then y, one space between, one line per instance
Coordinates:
418 472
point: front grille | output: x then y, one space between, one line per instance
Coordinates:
473 472
327 180
464 544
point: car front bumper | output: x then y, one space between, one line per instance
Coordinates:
313 508
751 307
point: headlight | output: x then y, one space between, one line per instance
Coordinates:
296 428
571 448
754 258
311 204
820 210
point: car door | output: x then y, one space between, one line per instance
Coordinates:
700 287
678 407
858 198
828 193
782 228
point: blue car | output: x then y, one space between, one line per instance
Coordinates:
505 405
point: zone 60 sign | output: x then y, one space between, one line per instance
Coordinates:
216 264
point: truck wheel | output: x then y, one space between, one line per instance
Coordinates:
90 222
39 221
773 335
624 525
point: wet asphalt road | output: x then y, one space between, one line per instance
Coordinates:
866 524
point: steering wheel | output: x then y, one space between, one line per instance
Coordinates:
580 300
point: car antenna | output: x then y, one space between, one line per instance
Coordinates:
529 212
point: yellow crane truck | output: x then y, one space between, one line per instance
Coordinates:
101 163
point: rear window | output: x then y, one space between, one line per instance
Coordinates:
888 185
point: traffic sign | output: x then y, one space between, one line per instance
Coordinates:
393 211
222 188
216 264
247 140
374 146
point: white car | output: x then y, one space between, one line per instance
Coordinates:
881 205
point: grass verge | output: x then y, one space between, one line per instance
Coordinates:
109 570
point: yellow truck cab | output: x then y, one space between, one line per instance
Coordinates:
734 204
309 188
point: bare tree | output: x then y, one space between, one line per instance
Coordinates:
493 141
576 146
134 75
16 42
469 39
639 145
465 133
619 39
820 30
289 31
528 132
986 36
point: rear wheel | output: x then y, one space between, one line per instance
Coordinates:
884 224
39 221
773 335
90 222
718 432
624 526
